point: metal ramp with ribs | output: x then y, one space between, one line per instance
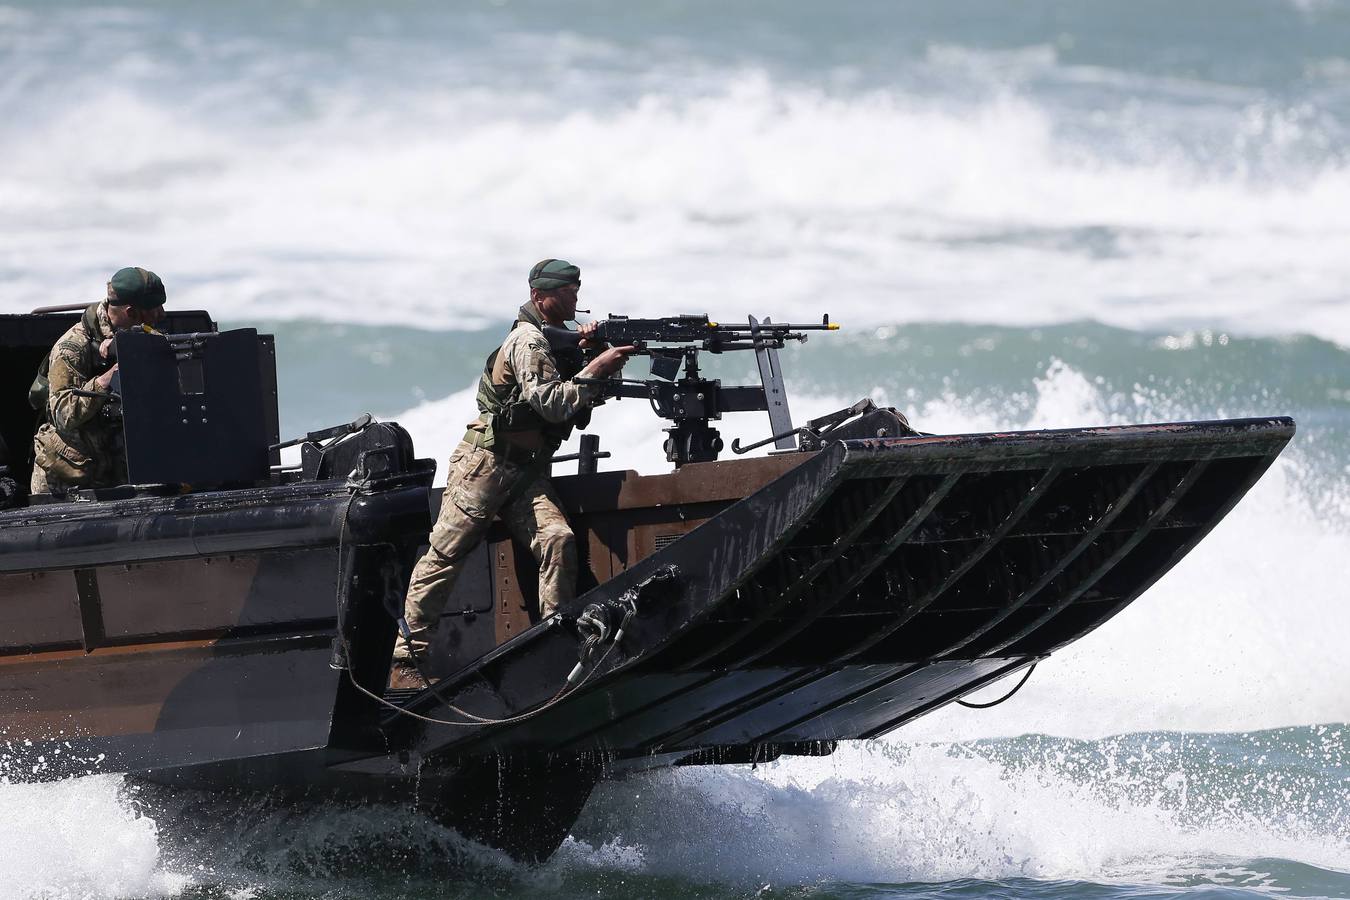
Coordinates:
873 583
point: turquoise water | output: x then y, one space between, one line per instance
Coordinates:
1048 214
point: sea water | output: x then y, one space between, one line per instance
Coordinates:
1044 214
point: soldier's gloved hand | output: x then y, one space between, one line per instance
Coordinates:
104 381
609 362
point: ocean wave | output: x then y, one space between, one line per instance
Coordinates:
257 192
1152 808
76 840
352 167
1261 811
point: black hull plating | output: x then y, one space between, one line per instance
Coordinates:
160 633
872 584
202 639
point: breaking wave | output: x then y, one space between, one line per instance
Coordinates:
1030 177
971 185
1260 811
1150 808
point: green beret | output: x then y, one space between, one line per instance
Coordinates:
134 286
551 274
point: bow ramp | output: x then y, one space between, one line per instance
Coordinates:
876 581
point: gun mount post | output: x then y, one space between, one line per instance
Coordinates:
589 452
586 455
691 402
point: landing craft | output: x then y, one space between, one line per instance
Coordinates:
227 622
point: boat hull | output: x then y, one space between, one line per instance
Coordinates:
871 584
735 611
159 633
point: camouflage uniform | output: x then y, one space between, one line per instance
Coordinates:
78 445
501 468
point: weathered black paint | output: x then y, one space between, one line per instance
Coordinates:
874 583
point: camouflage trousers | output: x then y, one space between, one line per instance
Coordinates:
58 467
482 485
38 483
44 482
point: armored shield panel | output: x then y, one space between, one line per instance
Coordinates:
193 408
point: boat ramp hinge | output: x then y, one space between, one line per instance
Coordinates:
605 622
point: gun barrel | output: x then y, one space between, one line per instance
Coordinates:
777 327
683 329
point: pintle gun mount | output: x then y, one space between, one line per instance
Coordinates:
692 401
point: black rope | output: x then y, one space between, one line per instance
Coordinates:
1004 697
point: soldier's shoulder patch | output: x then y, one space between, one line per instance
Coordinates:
69 352
522 345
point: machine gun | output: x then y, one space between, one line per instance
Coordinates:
714 337
695 332
692 401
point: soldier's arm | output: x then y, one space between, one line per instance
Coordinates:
541 386
67 410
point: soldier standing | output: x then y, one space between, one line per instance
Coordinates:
527 408
79 443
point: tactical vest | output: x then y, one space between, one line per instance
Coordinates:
504 412
40 390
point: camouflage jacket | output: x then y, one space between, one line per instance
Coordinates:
80 445
524 371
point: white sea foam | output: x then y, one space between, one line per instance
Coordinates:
884 811
903 812
734 192
77 840
876 206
